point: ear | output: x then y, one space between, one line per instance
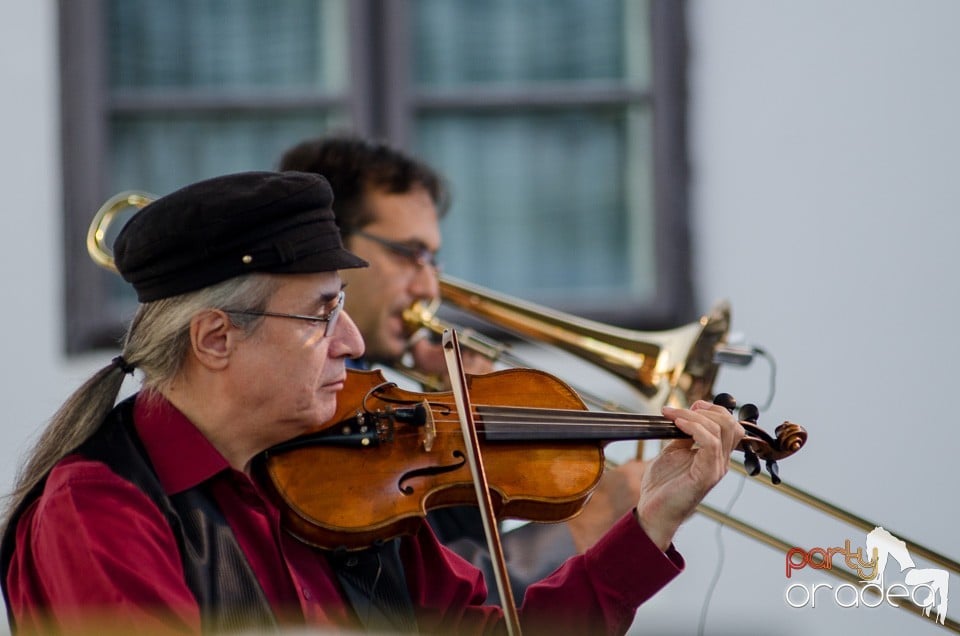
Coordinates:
212 338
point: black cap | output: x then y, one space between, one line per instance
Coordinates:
210 231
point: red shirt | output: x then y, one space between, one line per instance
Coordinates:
93 546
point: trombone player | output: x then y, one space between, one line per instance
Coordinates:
388 206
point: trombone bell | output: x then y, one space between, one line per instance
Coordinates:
675 366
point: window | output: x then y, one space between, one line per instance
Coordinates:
559 124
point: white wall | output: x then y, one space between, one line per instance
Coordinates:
36 376
822 139
824 144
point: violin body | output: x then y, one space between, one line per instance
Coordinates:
390 455
351 493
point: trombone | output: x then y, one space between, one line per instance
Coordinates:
97 247
676 366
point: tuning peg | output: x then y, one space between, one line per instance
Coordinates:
751 463
725 400
774 471
749 413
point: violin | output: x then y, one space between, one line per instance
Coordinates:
390 455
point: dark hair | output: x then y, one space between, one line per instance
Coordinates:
355 166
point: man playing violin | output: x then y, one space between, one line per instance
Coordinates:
152 514
388 206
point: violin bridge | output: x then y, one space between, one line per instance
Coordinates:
429 428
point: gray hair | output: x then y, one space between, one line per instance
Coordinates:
157 342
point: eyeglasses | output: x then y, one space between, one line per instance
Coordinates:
416 253
329 319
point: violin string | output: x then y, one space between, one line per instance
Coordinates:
521 415
534 413
571 422
512 429
507 423
548 414
504 423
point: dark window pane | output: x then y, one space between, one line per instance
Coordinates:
538 110
166 152
546 203
228 43
162 153
460 42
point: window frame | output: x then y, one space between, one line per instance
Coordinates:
383 103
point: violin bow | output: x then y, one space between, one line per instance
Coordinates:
458 386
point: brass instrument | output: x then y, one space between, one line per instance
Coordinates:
676 366
97 233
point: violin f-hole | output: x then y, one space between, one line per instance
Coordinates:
427 471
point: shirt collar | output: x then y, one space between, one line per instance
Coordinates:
180 454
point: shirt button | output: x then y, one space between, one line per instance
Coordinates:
352 562
306 594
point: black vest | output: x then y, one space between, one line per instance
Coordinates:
216 570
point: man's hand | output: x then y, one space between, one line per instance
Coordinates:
686 469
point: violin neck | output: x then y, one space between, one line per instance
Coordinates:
508 423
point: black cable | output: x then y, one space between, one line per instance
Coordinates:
719 537
720 558
773 376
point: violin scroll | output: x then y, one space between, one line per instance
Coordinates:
791 437
757 444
